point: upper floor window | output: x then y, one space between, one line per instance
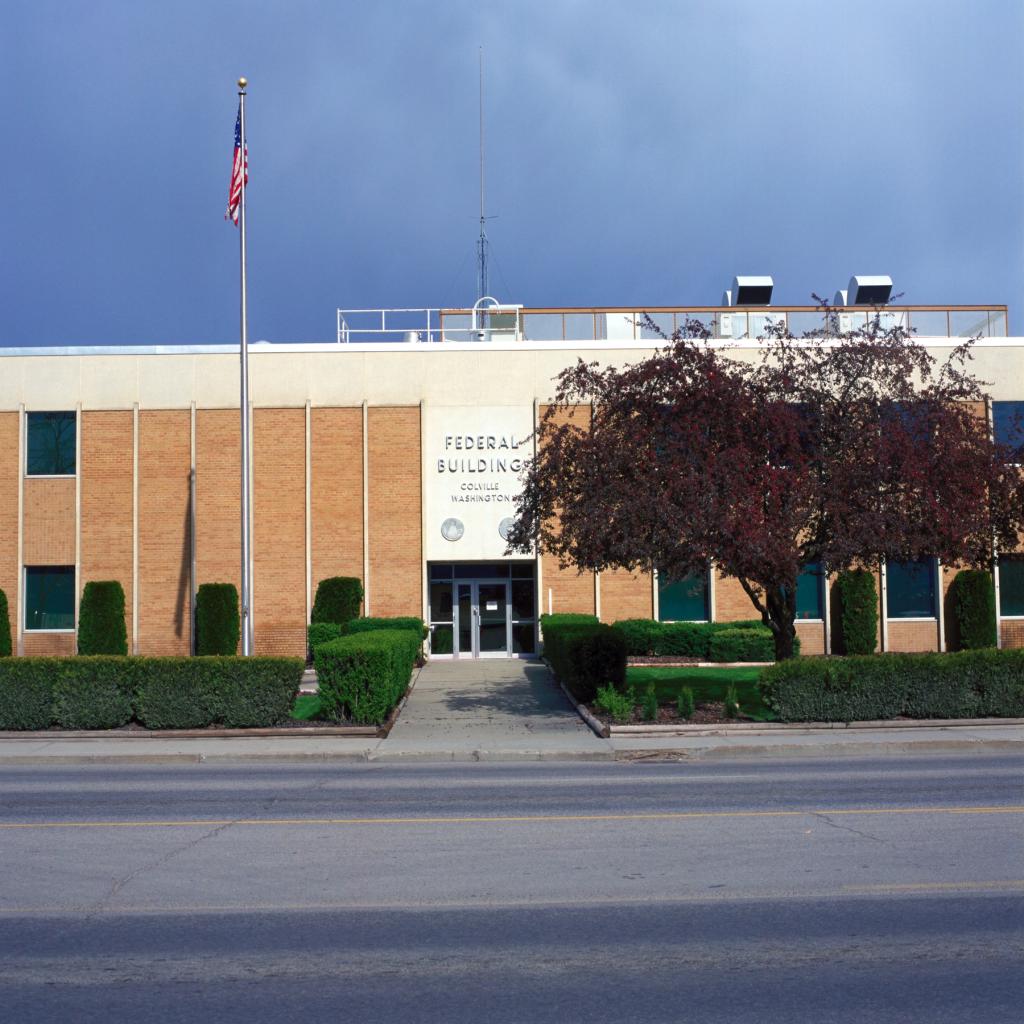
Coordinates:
1008 426
51 444
910 589
684 600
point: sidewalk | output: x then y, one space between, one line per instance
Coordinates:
509 711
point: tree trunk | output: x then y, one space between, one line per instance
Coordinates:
782 613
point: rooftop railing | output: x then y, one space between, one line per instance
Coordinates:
629 324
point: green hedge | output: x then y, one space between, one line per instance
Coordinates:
371 625
217 619
647 638
103 692
968 684
742 645
337 599
363 676
585 655
321 632
5 628
972 602
855 612
101 626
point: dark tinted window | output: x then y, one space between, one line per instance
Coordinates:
1011 584
51 444
910 589
684 600
1008 426
50 597
809 592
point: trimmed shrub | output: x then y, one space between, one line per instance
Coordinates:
94 692
364 675
651 704
732 702
5 628
26 692
685 702
640 636
337 599
617 706
855 612
741 645
371 624
322 632
566 618
190 693
972 601
987 683
646 637
101 628
217 619
586 655
683 639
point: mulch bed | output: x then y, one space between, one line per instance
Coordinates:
670 660
712 713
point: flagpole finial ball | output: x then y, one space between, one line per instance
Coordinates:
242 83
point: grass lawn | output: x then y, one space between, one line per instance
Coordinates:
708 684
306 707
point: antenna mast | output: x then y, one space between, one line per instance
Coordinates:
481 245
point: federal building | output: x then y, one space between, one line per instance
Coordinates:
392 454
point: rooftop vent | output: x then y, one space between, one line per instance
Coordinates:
749 291
865 290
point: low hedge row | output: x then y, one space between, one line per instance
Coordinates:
584 654
104 692
965 684
321 632
362 676
745 640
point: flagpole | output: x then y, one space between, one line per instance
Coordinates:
246 595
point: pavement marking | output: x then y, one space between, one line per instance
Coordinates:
1013 885
511 819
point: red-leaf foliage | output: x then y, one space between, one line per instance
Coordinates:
843 449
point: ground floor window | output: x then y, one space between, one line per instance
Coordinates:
810 592
1011 584
483 609
50 597
683 600
910 589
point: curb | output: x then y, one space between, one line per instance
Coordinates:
297 757
476 756
803 728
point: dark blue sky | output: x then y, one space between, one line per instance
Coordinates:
638 153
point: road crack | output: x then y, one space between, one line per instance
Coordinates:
846 828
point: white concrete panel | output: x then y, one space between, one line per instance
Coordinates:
52 383
217 381
109 382
167 382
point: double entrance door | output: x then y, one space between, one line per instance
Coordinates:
483 623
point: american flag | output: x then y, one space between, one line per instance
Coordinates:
235 191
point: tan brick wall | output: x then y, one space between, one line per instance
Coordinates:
49 521
913 636
812 637
626 595
731 601
50 644
9 516
1011 632
570 590
336 493
106 472
279 531
164 545
218 487
395 522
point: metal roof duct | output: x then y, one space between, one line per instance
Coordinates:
865 290
749 291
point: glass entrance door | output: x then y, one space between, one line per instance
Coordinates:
482 628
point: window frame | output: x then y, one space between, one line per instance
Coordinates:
26 628
1019 447
29 413
1015 556
821 594
659 577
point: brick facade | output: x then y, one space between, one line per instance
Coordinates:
625 595
49 521
395 516
106 472
9 568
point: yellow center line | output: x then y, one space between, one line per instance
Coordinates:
512 819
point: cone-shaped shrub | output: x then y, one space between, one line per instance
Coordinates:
972 597
217 619
5 628
855 607
337 600
101 628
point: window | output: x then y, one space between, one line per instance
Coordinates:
1008 426
1011 584
809 592
684 600
50 597
910 589
51 444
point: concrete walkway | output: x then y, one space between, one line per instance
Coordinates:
489 710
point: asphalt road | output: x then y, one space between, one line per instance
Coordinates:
858 891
